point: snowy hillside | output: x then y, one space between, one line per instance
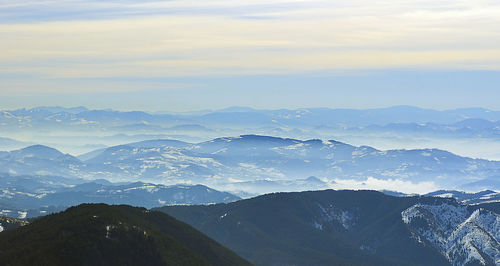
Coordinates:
462 235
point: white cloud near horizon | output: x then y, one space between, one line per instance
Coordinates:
398 185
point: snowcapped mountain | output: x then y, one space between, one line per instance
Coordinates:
39 160
463 235
253 157
249 159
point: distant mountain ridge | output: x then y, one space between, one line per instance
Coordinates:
485 196
237 115
31 196
79 130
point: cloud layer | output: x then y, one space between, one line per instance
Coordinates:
47 42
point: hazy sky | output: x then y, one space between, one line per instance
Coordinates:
190 54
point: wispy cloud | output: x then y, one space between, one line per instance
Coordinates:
88 39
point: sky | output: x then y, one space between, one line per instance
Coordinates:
182 55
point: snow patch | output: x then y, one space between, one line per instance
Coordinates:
108 231
318 225
22 214
332 213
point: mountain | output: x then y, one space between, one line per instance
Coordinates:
468 128
351 117
39 160
51 110
45 119
111 235
350 227
39 152
139 144
476 123
31 196
137 194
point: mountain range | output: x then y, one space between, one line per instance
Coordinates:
81 118
259 164
79 130
32 196
356 117
298 228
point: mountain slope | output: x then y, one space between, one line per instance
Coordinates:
351 227
463 235
111 235
314 228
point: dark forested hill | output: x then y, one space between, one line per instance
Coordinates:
99 234
348 228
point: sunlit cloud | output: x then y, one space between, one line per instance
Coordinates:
105 39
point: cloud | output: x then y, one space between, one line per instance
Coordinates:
50 40
372 183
